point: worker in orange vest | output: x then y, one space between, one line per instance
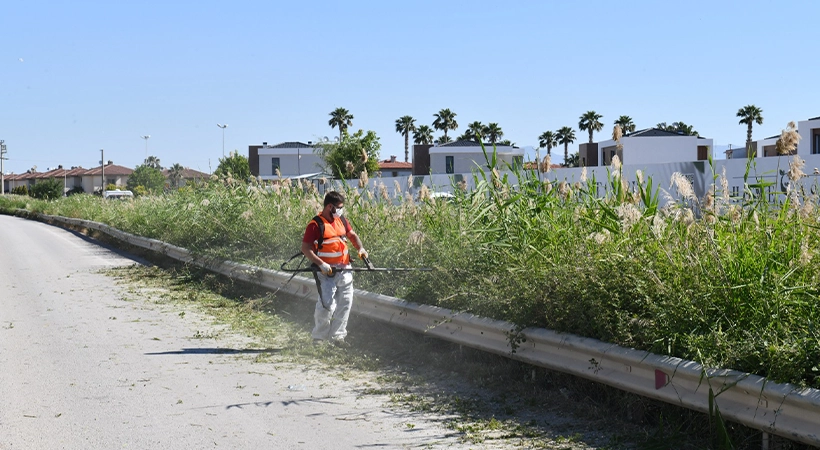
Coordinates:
325 245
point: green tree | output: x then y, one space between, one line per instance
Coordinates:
352 154
678 127
590 121
750 115
404 126
682 128
153 161
626 123
549 140
340 118
476 130
150 178
234 165
573 160
423 135
445 120
48 189
443 139
565 136
493 133
466 136
175 173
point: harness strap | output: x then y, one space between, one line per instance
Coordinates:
321 224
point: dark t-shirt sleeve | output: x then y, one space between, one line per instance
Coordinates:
311 233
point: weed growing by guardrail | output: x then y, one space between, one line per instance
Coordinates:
735 279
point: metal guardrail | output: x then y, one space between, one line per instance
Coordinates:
777 408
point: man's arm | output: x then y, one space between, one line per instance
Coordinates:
357 242
307 250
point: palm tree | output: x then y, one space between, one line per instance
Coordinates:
627 126
682 128
476 129
444 139
565 136
404 126
590 121
423 135
548 139
663 126
445 120
153 161
466 136
342 119
493 132
175 172
749 115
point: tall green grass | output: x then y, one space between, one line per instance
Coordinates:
731 283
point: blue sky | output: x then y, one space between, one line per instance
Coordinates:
78 76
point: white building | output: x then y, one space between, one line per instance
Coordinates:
809 131
466 156
291 158
649 146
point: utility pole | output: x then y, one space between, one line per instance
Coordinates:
2 172
102 164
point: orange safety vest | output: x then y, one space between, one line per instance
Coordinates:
334 242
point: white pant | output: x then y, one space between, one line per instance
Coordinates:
337 292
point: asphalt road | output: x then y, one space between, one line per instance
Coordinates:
83 364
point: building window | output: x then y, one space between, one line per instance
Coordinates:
274 166
449 164
815 149
518 162
395 174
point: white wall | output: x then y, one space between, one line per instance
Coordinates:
658 149
467 159
292 161
772 169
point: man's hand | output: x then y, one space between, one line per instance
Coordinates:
326 269
362 253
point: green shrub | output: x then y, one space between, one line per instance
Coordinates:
150 178
49 189
20 190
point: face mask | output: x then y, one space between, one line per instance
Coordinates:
338 213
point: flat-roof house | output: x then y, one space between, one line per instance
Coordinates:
809 131
291 158
649 146
464 157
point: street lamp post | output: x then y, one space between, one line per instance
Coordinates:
2 173
223 137
146 137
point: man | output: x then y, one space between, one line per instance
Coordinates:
325 245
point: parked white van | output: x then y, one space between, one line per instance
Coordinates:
118 194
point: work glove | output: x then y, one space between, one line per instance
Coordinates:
362 253
326 268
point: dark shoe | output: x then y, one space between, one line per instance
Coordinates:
340 343
318 341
